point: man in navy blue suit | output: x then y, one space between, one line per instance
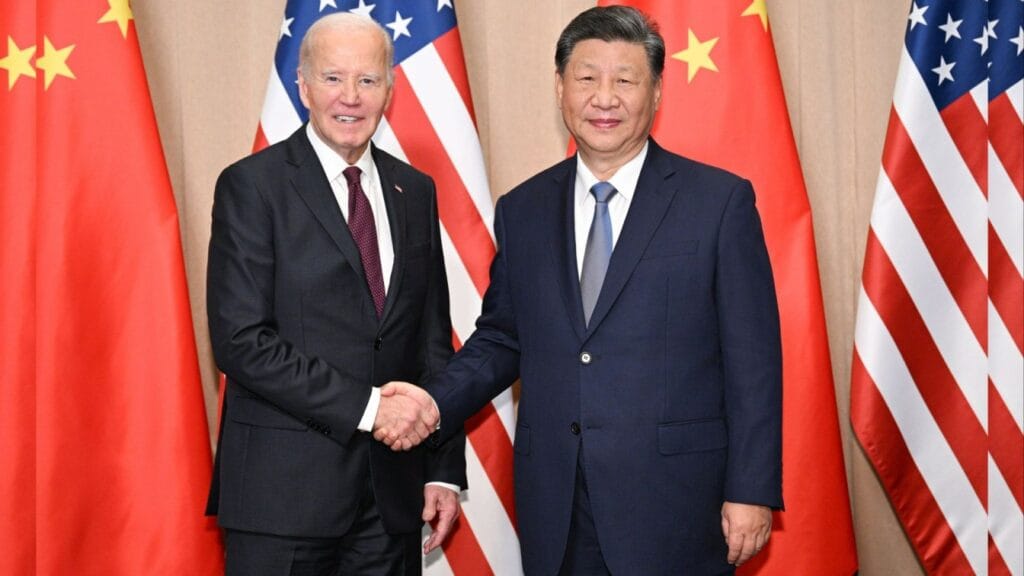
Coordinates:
649 427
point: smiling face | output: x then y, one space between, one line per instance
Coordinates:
344 83
608 97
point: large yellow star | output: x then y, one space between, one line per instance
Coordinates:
17 63
697 55
758 8
54 62
120 12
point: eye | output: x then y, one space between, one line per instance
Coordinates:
332 79
368 82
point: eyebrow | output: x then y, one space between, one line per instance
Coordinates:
336 72
592 66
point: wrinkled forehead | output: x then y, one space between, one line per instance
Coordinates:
345 36
615 56
362 51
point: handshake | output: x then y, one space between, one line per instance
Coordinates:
407 415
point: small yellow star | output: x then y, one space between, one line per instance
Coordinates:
758 8
120 12
54 62
17 63
697 55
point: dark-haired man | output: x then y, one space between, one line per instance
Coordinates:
633 296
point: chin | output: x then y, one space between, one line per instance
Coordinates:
349 141
605 147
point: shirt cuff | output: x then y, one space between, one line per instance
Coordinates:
370 414
453 487
438 410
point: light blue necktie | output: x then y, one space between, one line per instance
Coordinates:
599 249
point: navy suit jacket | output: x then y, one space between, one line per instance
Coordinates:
674 390
294 329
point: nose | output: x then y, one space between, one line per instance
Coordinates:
348 92
605 95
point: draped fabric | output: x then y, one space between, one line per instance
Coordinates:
938 376
104 445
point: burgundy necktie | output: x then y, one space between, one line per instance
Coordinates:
364 232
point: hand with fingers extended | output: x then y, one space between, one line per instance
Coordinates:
440 510
746 528
407 416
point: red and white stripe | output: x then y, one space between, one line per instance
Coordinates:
938 376
430 124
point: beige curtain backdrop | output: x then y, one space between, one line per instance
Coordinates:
208 64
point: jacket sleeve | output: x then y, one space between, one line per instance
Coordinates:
751 354
489 361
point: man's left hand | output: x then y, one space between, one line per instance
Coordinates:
746 528
440 509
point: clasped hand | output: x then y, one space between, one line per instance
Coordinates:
407 415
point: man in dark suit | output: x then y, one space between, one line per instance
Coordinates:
326 279
632 295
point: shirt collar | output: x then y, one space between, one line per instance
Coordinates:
624 179
332 163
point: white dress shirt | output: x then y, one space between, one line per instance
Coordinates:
624 180
334 166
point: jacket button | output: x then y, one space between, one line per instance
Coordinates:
378 343
586 358
326 430
574 428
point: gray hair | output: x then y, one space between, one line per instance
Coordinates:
345 21
613 23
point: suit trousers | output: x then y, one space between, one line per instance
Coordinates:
365 550
582 551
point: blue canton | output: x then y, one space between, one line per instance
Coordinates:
958 44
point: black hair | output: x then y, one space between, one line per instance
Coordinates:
610 24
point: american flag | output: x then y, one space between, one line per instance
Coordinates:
938 376
430 124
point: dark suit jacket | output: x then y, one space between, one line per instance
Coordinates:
674 391
294 330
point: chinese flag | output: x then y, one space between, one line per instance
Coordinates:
104 447
722 103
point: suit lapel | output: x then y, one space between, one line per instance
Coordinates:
561 207
394 200
654 193
312 186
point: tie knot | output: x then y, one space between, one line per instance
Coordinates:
602 191
352 174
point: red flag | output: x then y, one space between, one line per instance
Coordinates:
104 447
722 103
